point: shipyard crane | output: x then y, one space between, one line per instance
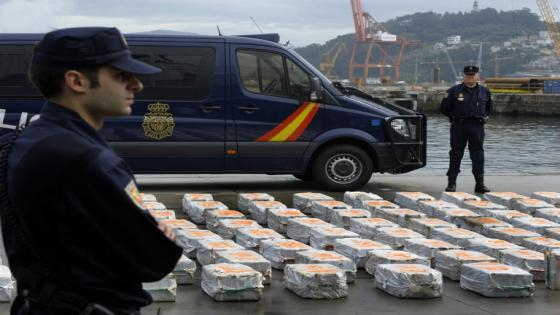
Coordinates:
549 17
329 60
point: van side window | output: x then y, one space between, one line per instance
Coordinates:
187 72
300 83
14 64
262 72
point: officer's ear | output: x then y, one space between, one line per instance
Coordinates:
76 81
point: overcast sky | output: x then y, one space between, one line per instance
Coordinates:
302 22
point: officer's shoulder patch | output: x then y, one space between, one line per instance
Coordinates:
132 192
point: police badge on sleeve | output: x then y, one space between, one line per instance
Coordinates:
158 122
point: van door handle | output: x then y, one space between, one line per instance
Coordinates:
249 109
210 108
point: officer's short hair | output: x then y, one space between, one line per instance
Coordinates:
49 80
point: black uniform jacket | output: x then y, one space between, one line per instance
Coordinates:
463 102
77 202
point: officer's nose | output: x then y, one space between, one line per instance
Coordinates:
135 85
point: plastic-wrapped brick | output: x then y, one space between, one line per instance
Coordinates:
457 197
282 252
226 228
548 196
356 198
380 257
374 205
341 218
213 217
154 205
7 290
259 209
244 200
449 262
184 270
358 249
316 256
526 259
323 209
164 290
457 236
510 234
400 216
456 216
552 233
506 215
428 206
316 281
541 244
148 197
551 214
197 210
303 201
207 249
324 237
552 270
188 199
160 215
248 258
496 280
490 246
480 224
395 237
251 237
504 198
534 224
180 224
425 226
529 205
299 229
409 280
278 218
481 206
231 282
367 227
189 240
427 247
411 200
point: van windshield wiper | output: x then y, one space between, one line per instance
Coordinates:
348 90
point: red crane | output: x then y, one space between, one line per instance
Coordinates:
379 55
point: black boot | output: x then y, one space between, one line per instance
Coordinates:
451 183
479 187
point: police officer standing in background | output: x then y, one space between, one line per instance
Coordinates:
76 234
468 106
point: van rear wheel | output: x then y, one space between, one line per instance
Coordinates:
342 167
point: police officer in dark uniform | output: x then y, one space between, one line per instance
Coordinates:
76 234
468 106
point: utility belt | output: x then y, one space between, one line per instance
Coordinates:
469 120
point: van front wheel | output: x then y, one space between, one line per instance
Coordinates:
342 168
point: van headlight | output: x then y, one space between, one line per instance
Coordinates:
401 127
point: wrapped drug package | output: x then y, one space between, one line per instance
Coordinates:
148 197
244 200
526 259
401 216
409 280
504 198
316 256
207 249
303 201
180 224
184 271
247 258
411 200
278 218
356 198
281 252
374 205
154 205
226 228
189 240
449 262
510 234
481 206
480 224
324 237
506 215
541 243
425 226
252 237
323 209
358 249
455 216
367 227
341 218
213 217
316 281
197 210
7 289
492 279
395 237
232 282
534 224
552 270
427 247
490 246
529 205
160 215
551 197
380 257
299 229
259 209
428 206
551 214
457 236
552 233
164 290
188 199
457 197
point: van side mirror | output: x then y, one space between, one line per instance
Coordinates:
316 94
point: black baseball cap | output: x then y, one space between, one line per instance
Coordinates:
470 69
87 47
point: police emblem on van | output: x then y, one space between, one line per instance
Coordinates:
158 122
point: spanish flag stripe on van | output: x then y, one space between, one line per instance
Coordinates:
299 131
293 126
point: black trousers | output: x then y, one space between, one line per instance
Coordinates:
471 133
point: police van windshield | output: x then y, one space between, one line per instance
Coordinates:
311 68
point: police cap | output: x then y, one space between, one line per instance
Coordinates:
470 69
87 47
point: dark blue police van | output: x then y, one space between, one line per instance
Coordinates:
238 104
